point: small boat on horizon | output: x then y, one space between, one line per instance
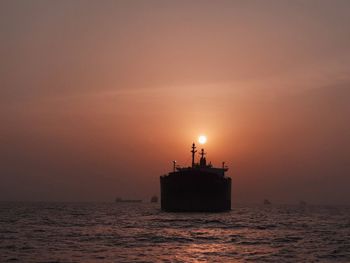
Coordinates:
120 200
302 203
267 202
154 199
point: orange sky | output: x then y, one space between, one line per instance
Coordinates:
97 98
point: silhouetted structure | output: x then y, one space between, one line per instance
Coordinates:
120 200
154 199
302 203
199 188
266 202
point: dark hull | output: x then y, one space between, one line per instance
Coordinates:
195 192
128 201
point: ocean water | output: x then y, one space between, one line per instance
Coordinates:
109 232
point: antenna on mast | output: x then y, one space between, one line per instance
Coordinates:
202 153
193 153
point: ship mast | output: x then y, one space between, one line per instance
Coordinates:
203 161
193 152
202 153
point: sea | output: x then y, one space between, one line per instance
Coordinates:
141 232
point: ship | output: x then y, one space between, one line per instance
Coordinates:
267 202
120 200
197 188
302 203
154 199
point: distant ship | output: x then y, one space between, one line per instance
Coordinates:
154 199
198 188
266 202
302 203
120 200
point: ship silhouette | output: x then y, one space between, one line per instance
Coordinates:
267 202
198 188
121 200
154 199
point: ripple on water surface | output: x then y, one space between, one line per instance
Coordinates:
47 232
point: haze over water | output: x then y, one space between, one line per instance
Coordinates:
97 98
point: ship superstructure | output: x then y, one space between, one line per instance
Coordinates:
197 188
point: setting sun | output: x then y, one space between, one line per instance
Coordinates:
202 139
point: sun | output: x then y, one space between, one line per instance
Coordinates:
202 139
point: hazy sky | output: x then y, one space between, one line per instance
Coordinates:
98 97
